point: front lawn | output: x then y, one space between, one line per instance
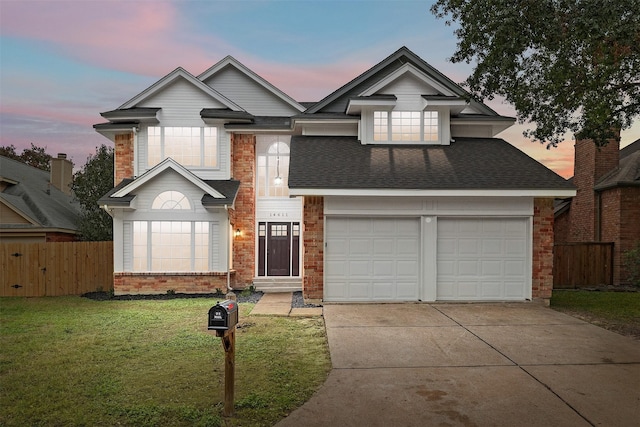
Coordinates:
616 311
74 361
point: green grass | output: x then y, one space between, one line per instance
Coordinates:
617 311
74 361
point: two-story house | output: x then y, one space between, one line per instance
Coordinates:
392 188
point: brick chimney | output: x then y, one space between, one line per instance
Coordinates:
61 173
590 164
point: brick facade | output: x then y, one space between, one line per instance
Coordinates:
313 249
160 283
60 237
123 150
243 160
542 266
620 225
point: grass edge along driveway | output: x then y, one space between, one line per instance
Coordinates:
75 361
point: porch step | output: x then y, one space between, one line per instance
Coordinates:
277 284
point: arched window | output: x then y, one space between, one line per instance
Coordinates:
171 200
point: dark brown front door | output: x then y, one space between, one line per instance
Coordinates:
278 247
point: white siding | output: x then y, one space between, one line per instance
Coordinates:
248 94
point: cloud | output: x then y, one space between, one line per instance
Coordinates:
141 37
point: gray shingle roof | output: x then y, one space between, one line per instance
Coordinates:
228 188
35 197
468 163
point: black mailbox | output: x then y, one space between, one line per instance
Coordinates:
223 316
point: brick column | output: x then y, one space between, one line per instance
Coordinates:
591 163
542 268
123 151
243 161
313 251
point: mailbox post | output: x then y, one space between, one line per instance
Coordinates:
223 318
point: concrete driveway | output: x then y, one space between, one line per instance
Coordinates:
472 365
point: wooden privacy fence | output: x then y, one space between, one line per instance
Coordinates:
581 265
55 269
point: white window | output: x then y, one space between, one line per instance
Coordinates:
405 126
167 246
171 200
189 146
273 171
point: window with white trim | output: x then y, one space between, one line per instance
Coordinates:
168 246
406 126
171 200
189 146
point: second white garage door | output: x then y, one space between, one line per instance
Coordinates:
372 259
483 259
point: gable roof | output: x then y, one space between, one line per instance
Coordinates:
172 77
231 61
328 165
402 58
164 165
31 195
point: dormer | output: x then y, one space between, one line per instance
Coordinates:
403 100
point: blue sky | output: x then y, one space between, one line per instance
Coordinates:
63 62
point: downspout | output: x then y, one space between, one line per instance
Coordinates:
229 251
135 151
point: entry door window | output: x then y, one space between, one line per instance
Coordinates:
278 248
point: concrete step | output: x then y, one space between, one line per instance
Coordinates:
277 284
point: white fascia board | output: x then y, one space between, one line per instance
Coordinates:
168 163
355 105
430 193
355 120
407 68
230 60
170 78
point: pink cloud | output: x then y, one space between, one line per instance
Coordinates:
138 37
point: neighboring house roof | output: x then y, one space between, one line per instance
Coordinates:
627 174
466 164
30 194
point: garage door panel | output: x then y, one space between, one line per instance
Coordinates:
383 259
359 247
383 268
482 259
383 247
407 269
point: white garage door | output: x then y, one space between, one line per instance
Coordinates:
372 259
482 259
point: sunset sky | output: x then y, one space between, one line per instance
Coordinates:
64 62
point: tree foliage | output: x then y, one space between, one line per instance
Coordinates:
90 183
34 156
566 65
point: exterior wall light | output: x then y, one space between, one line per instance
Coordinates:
237 233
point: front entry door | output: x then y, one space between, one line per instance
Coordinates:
279 247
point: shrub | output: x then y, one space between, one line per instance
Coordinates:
631 259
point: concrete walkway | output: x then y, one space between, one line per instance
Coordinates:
472 365
279 304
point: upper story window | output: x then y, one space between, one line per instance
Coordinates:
405 126
171 200
273 171
189 146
